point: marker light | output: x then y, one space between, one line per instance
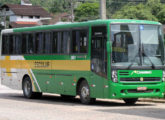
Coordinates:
114 76
163 76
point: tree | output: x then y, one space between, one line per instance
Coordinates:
87 11
157 9
155 6
2 2
139 11
161 16
59 6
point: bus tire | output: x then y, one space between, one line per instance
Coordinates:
130 101
84 92
27 89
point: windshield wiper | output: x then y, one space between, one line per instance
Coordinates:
152 64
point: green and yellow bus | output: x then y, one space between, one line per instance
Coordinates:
116 59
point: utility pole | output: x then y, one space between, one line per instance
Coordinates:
103 9
5 22
72 10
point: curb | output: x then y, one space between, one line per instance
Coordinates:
155 100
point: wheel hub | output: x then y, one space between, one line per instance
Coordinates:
85 92
27 87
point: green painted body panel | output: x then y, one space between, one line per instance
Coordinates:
63 82
60 81
117 88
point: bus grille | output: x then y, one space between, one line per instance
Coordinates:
135 91
144 79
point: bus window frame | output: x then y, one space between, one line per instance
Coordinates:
51 32
88 38
134 67
7 34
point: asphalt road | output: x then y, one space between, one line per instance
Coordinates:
13 106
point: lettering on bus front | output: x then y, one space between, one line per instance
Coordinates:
38 64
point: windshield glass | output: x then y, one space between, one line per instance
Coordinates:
152 45
137 45
125 44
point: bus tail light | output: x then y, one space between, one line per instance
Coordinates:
163 76
114 76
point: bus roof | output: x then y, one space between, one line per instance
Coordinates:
78 24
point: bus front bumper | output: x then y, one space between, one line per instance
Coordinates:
118 90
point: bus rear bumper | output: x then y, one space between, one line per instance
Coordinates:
134 91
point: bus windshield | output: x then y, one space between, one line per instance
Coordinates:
137 45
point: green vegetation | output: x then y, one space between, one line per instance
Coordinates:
87 11
139 11
149 10
2 2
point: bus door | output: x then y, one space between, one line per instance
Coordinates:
99 58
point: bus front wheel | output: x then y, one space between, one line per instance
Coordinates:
84 93
130 101
27 89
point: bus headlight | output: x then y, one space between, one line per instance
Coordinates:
163 76
114 76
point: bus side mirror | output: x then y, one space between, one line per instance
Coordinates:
108 46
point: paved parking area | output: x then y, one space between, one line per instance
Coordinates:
13 106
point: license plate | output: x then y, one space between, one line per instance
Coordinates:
141 88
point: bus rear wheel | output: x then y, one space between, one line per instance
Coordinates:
130 101
84 93
27 89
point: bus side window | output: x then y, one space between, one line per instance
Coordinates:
18 43
79 41
11 44
47 43
54 42
24 43
75 34
65 40
5 45
59 39
30 43
83 42
39 43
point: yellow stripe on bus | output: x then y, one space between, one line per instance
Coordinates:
80 65
8 70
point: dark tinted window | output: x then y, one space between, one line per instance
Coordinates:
79 41
11 44
30 43
24 43
47 43
39 41
5 44
65 42
18 44
54 42
62 42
